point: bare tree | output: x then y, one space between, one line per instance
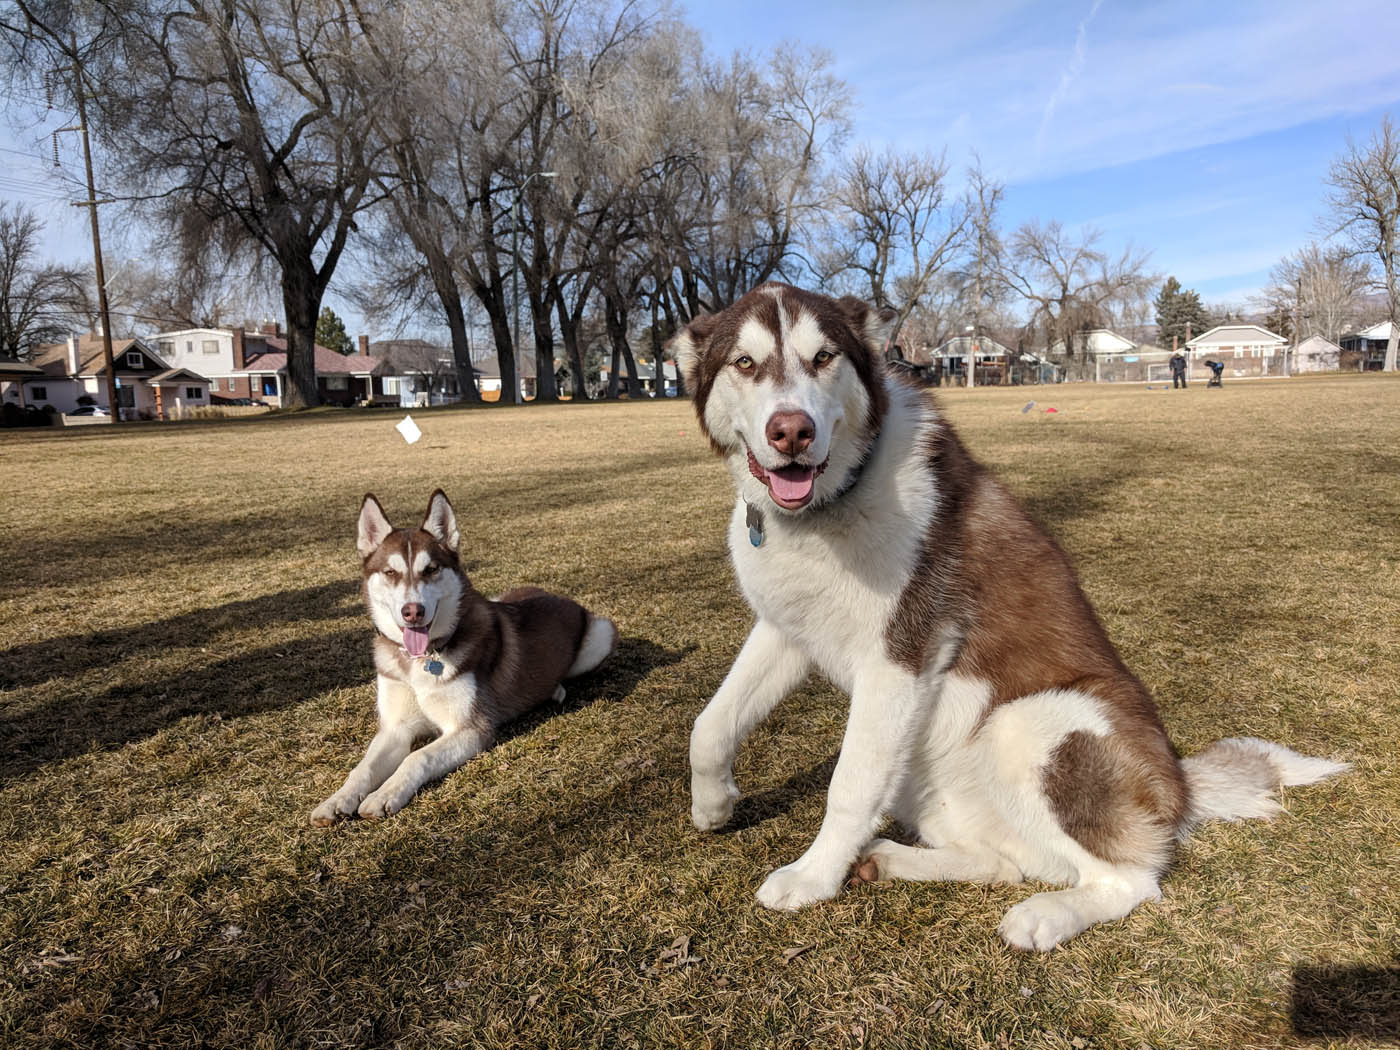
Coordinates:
1071 286
1320 288
241 124
898 228
39 301
1365 212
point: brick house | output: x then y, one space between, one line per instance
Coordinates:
1246 349
245 363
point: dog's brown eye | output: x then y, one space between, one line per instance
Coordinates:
430 570
744 364
391 574
823 356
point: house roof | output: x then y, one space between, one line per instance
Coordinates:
413 357
53 358
176 377
962 344
20 370
490 368
1376 332
328 362
1236 335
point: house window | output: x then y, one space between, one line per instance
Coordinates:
391 385
211 346
194 393
39 393
165 346
189 346
337 383
133 359
126 396
269 386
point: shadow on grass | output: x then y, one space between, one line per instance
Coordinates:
1332 1001
239 683
752 810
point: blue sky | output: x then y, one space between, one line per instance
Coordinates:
1199 131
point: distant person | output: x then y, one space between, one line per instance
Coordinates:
1216 368
1178 370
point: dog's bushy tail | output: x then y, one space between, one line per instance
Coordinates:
1238 778
599 640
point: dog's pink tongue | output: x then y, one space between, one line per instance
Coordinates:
791 483
415 640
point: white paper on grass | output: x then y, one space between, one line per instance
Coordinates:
409 429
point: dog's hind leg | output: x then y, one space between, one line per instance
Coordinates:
1044 920
767 669
891 860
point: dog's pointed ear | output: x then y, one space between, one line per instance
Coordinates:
441 521
688 346
374 526
871 324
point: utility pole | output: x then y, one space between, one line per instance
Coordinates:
80 91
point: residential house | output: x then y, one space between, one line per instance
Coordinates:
148 387
1119 359
1315 354
1365 350
646 375
1247 351
243 363
488 373
948 362
417 372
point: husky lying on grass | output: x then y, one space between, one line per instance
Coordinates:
452 665
989 711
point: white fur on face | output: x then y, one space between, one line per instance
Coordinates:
740 405
438 593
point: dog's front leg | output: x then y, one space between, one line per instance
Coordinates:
399 724
431 761
885 707
767 669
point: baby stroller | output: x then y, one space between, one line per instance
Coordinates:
1216 368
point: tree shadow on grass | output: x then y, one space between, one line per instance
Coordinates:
1332 1001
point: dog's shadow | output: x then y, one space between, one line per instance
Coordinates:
752 810
616 679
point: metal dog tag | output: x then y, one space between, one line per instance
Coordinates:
432 666
754 519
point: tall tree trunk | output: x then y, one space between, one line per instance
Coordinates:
492 301
301 303
546 389
451 298
568 331
613 377
616 317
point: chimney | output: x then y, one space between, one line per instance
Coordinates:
271 328
72 355
363 342
240 356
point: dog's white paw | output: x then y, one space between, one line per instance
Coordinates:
797 886
1040 923
384 803
335 809
712 802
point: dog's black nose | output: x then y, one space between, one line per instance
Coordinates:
413 613
790 432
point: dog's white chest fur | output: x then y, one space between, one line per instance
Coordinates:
832 585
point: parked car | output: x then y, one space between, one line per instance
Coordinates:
88 410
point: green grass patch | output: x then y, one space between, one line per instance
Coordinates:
185 673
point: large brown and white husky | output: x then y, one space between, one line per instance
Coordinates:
990 714
452 664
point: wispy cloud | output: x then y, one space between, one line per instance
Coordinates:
1070 74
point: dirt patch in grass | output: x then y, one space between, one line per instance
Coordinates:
184 674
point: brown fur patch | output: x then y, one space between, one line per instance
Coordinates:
1010 591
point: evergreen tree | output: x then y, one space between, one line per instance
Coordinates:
1179 312
330 332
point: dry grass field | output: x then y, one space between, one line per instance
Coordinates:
184 674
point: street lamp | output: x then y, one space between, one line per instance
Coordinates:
518 397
